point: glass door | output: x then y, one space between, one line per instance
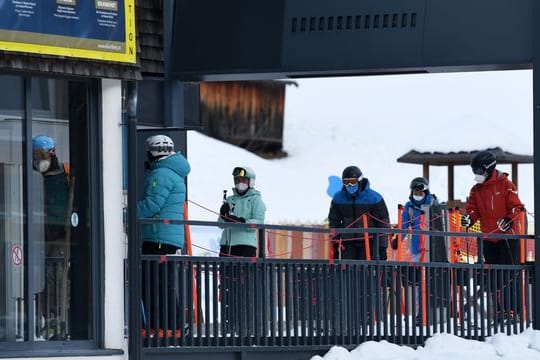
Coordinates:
60 117
45 211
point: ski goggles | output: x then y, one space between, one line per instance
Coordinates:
238 171
479 170
350 181
420 187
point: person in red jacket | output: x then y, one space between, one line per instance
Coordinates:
495 202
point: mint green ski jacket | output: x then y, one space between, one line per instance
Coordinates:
250 207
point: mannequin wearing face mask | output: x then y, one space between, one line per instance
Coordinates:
422 200
56 189
49 166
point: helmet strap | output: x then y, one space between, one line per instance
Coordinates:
151 158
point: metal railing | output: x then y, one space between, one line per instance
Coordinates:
197 303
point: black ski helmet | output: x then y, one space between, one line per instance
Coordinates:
483 162
351 172
419 183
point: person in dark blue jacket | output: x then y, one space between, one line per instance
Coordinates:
164 196
348 205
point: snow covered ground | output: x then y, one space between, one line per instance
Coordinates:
525 346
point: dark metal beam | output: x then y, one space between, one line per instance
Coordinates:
536 150
134 251
301 38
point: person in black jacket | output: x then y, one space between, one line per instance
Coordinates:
348 205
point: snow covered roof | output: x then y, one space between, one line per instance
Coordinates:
461 157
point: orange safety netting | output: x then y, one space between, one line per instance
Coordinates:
463 249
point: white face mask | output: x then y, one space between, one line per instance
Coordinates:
43 165
418 197
241 187
479 178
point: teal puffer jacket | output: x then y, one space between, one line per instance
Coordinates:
164 196
250 207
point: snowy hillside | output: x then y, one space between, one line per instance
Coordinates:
370 122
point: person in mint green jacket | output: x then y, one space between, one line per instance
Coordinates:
164 197
244 206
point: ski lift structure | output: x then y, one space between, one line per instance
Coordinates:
452 159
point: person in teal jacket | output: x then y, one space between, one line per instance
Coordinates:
164 196
244 206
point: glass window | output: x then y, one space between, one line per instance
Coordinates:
57 301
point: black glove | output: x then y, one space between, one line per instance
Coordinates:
232 218
466 221
504 224
224 209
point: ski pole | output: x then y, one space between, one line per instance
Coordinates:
143 311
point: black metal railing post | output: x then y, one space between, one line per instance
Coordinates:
480 247
262 243
536 150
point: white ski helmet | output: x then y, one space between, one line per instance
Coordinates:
245 171
159 145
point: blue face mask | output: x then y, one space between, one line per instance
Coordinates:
352 189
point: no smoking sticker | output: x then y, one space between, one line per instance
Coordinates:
17 255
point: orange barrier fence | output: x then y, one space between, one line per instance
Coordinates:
461 249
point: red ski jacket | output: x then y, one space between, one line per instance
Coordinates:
492 200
